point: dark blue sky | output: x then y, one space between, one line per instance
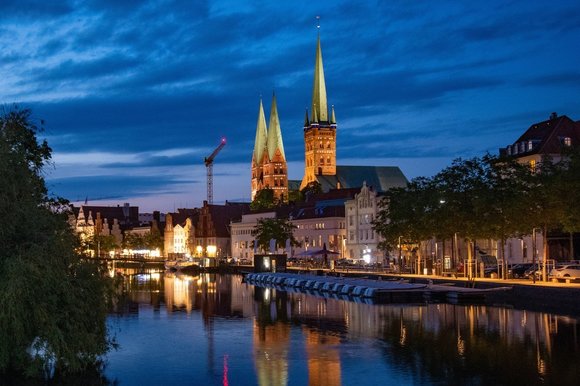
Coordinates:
134 93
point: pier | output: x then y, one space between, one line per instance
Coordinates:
367 290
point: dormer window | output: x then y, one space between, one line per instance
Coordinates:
567 141
530 145
522 147
508 150
515 148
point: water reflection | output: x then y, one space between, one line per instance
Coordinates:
296 338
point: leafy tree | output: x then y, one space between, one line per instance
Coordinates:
101 244
52 302
279 229
311 189
295 196
264 199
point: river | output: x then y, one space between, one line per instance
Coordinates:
215 330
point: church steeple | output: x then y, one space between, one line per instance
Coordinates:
319 104
319 130
274 132
261 136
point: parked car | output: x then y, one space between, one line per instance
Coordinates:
517 271
569 271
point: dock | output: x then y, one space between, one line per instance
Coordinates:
370 291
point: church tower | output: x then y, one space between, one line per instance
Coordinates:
275 169
319 129
259 153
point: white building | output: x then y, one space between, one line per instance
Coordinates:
362 242
242 239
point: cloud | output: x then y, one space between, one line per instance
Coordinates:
149 87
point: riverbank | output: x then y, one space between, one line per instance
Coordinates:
553 297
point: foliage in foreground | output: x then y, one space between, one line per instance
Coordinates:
53 304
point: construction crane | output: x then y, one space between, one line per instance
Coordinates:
209 167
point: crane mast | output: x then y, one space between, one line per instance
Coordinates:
209 168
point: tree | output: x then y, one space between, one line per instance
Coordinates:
100 244
264 199
311 189
278 229
53 302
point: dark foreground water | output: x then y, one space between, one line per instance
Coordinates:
215 330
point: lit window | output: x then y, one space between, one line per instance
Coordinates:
567 141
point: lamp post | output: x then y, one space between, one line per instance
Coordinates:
533 255
400 256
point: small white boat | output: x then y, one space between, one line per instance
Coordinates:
177 265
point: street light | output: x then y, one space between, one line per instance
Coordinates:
400 256
534 255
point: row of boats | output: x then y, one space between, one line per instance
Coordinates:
342 286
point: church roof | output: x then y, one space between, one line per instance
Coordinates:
274 132
261 136
319 103
380 178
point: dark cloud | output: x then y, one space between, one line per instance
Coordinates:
407 78
115 187
34 9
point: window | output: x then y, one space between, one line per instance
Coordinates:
567 141
533 165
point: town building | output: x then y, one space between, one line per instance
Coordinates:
90 220
362 242
202 232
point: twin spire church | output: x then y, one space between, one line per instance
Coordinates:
269 168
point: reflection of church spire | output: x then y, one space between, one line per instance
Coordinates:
323 358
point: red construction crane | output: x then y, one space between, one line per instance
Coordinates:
209 167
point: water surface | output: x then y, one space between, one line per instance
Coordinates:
215 330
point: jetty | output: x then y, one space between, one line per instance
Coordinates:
370 291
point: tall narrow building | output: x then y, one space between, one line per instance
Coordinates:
319 130
269 168
275 169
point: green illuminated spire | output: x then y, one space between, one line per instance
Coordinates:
332 116
319 104
261 136
274 132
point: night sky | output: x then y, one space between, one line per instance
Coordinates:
134 94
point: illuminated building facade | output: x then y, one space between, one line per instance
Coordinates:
269 168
